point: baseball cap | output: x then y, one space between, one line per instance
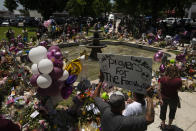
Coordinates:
116 99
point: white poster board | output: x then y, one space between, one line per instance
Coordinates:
128 72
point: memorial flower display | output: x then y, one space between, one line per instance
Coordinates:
35 79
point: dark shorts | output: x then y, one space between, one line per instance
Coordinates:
173 104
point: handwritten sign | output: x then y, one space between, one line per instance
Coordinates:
129 72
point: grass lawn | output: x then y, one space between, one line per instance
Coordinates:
17 30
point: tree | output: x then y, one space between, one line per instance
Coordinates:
91 8
102 6
76 7
152 7
45 7
10 4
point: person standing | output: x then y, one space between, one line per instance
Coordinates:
111 113
169 85
136 107
25 35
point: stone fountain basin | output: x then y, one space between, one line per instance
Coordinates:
91 67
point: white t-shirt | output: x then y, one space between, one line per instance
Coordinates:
134 109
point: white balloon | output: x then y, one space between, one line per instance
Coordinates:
45 66
34 69
65 75
38 53
44 81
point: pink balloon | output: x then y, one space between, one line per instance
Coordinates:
33 79
56 73
46 24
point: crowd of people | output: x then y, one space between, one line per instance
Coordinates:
115 112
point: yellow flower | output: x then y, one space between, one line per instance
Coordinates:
20 121
97 129
10 81
55 126
83 112
129 94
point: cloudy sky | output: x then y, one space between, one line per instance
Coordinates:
4 8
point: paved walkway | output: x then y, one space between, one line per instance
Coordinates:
185 116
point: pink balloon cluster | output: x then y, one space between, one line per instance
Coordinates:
47 23
158 56
58 76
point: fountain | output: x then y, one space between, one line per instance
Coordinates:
93 66
95 46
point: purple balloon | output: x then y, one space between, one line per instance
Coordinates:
33 79
53 90
160 53
58 63
71 79
53 51
56 73
49 55
66 92
43 43
54 47
20 45
157 57
58 55
162 68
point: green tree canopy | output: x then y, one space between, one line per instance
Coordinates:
10 4
91 8
152 7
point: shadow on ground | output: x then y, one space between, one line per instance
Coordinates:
173 128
